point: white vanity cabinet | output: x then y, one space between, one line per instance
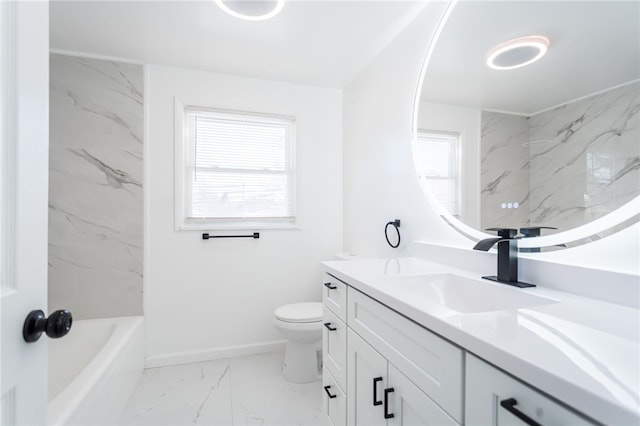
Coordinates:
380 394
495 398
389 368
380 368
434 365
334 349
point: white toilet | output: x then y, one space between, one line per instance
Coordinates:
301 325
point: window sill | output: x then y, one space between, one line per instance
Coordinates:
254 226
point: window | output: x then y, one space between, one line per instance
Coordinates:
437 163
234 169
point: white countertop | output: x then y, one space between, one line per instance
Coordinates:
583 352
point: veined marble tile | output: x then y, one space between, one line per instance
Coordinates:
504 170
591 165
565 167
95 187
262 397
189 394
238 391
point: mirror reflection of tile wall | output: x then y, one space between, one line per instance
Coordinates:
95 187
566 166
504 170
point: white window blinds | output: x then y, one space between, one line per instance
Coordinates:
239 167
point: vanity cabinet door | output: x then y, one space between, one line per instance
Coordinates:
488 388
367 379
412 407
399 400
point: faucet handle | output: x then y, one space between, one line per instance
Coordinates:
533 231
506 233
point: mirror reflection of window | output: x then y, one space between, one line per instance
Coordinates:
438 166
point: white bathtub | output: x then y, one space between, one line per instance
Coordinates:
94 370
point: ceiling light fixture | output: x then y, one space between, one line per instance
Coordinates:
251 10
517 53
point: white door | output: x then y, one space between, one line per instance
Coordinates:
366 382
24 124
410 406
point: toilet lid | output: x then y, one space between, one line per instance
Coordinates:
300 312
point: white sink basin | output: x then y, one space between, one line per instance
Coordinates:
467 295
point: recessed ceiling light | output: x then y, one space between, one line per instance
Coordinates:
251 10
517 53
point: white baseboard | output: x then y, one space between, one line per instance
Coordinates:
216 353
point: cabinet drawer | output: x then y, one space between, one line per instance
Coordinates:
487 387
334 408
334 296
334 347
432 363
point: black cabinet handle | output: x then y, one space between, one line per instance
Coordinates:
387 414
375 391
328 325
329 286
510 406
326 389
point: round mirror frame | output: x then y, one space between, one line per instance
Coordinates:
615 221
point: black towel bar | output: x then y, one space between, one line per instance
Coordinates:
206 236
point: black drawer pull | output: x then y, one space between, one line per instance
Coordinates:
387 414
329 286
375 391
328 325
326 389
510 406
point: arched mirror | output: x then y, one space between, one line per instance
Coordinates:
553 145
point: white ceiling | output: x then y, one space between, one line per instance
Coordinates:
595 45
320 42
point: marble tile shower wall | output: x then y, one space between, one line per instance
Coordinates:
95 187
580 161
591 162
504 170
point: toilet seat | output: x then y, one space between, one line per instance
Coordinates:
300 312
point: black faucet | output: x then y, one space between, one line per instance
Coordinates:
507 256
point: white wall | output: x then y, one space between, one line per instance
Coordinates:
211 298
379 178
380 182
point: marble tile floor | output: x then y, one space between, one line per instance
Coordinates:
238 391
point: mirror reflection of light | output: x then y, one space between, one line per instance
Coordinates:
581 356
251 10
517 53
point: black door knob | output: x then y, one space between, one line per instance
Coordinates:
57 325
